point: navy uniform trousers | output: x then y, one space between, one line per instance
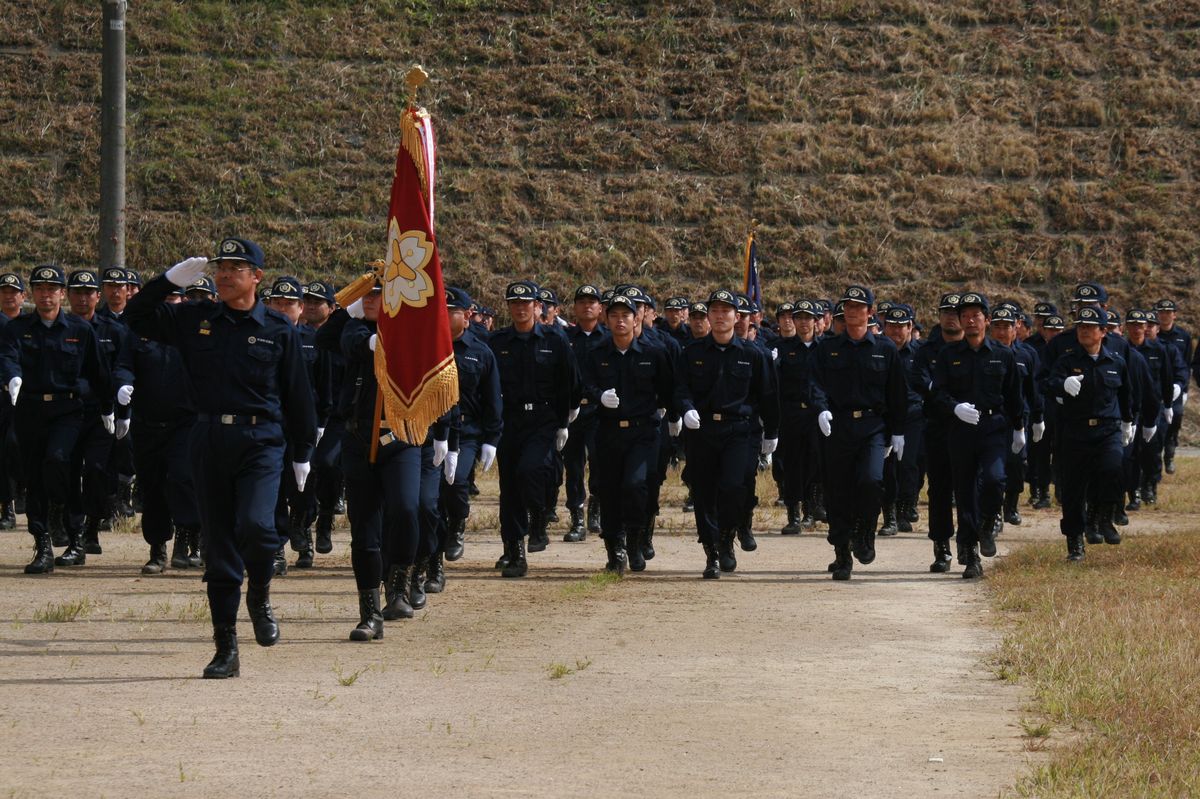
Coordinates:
977 455
1089 461
717 456
164 470
626 458
853 474
528 467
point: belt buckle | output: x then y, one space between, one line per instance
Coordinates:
1093 422
47 398
528 406
386 439
623 423
583 401
804 405
856 414
716 417
227 418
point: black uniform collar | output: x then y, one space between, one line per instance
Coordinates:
258 312
736 341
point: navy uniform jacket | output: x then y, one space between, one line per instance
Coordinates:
318 365
1162 376
478 388
727 381
1106 393
163 392
916 401
862 375
539 369
988 378
1067 342
643 377
1181 340
582 344
239 363
116 350
108 314
798 390
920 372
63 358
1031 392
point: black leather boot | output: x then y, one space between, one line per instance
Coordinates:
941 557
843 563
1104 524
1075 547
435 575
1043 499
1011 514
195 550
905 511
1091 528
158 560
1135 500
517 565
974 566
395 591
280 563
539 539
8 518
416 586
225 662
793 520
862 540
725 551
593 515
75 554
43 555
324 533
124 504
457 539
91 537
262 615
304 556
889 527
745 534
647 539
712 562
1150 492
1119 516
370 619
634 549
987 537
577 532
179 550
615 548
818 504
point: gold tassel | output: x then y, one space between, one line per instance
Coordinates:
410 137
361 286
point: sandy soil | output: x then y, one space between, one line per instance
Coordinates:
772 682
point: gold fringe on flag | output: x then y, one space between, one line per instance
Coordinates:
410 137
437 391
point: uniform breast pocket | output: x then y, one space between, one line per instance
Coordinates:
741 370
993 379
544 357
468 376
68 355
643 371
1110 378
262 361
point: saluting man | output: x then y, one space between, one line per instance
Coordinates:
252 394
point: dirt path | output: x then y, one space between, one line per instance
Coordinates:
772 682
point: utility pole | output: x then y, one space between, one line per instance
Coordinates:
112 137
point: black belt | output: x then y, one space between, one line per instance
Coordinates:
526 406
624 423
858 414
1093 421
232 418
726 417
65 395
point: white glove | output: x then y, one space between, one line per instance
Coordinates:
1126 433
573 415
691 420
1183 397
898 447
320 435
121 428
440 448
766 462
887 452
825 422
109 422
1178 392
966 412
1169 414
450 467
661 412
769 445
301 471
675 428
1038 429
124 395
355 309
372 341
14 388
1073 384
609 399
1148 433
1018 441
187 271
487 456
560 438
774 355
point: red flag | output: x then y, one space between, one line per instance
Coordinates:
414 356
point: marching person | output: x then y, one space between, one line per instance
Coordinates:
539 381
585 335
720 377
246 370
1094 388
319 302
1142 467
799 443
629 381
12 299
47 360
1174 335
861 409
902 476
977 382
1004 331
